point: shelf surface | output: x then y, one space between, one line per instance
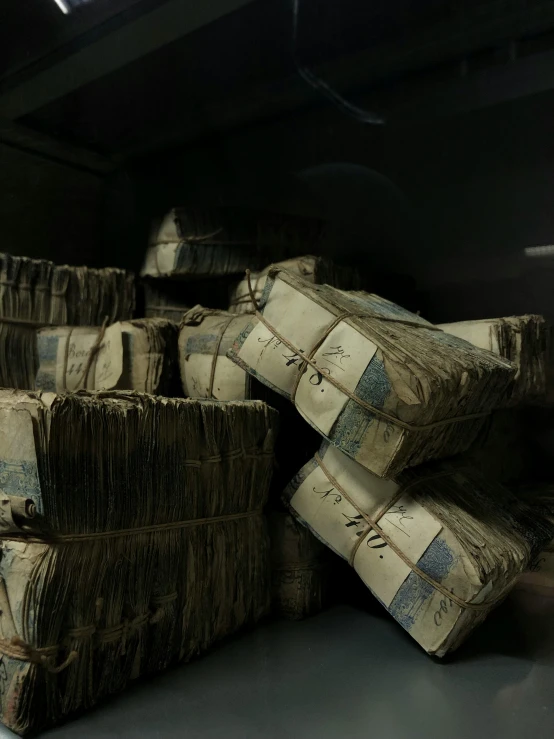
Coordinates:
347 672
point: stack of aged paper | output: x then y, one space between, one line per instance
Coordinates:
128 355
317 270
132 538
438 545
299 568
381 383
524 340
539 576
208 242
205 336
35 293
171 299
165 299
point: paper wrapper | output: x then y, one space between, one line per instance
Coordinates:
130 355
443 547
205 336
299 568
524 340
202 242
383 385
89 603
316 270
35 293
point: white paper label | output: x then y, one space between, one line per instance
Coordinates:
301 321
407 524
478 333
106 368
229 378
344 355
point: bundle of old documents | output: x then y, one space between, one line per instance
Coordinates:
438 545
128 355
204 242
205 336
299 568
539 576
165 299
382 384
35 293
524 340
132 538
317 270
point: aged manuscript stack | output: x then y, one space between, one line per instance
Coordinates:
524 340
539 577
35 293
203 242
382 384
165 299
128 355
132 538
317 270
438 545
205 336
299 568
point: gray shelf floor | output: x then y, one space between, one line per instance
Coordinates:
348 672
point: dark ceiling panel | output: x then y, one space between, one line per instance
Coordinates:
33 29
240 67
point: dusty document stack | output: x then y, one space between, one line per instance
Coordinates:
524 340
35 293
539 577
132 537
209 242
128 355
385 386
205 337
299 568
317 270
439 545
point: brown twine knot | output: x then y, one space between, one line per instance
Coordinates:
18 649
94 350
161 601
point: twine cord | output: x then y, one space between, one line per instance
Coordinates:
308 360
93 353
18 649
118 533
221 334
373 524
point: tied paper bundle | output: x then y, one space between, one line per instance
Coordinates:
524 340
439 546
132 538
204 242
205 336
539 578
36 293
299 570
165 299
130 355
317 270
382 384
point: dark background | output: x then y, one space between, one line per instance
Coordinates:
121 109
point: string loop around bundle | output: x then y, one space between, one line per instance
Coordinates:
119 533
373 525
17 648
308 360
